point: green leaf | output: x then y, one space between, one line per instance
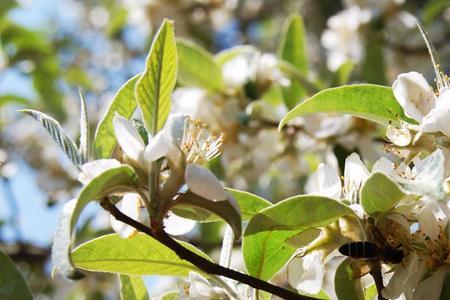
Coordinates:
124 104
343 73
379 194
226 55
249 203
292 49
265 247
84 130
12 283
192 206
193 58
373 65
137 256
132 288
114 180
346 287
445 294
293 44
171 295
154 87
57 133
372 102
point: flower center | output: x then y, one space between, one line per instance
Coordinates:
198 144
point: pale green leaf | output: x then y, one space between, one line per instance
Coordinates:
379 194
265 246
292 49
139 255
154 87
172 295
119 179
226 55
249 203
132 288
57 133
12 283
192 206
372 102
124 104
293 43
197 67
84 130
346 287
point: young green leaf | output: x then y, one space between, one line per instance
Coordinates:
193 58
372 102
154 87
84 130
379 194
265 248
137 256
292 49
119 179
249 203
226 55
195 207
124 104
12 284
132 288
57 133
346 286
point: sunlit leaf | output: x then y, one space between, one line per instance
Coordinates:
132 288
346 286
57 133
372 102
119 179
265 247
154 87
292 49
124 104
379 194
12 284
195 207
139 255
249 203
193 58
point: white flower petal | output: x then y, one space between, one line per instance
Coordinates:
355 174
204 183
383 165
328 181
405 279
431 287
306 274
94 168
432 219
414 94
157 147
129 139
438 119
176 225
130 205
199 286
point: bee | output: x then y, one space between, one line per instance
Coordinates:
371 251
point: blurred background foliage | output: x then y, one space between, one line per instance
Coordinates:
49 49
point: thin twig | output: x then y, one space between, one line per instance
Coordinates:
200 262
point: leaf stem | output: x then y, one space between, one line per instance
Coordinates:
203 264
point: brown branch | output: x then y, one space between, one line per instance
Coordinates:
200 262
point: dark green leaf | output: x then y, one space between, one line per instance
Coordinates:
12 284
